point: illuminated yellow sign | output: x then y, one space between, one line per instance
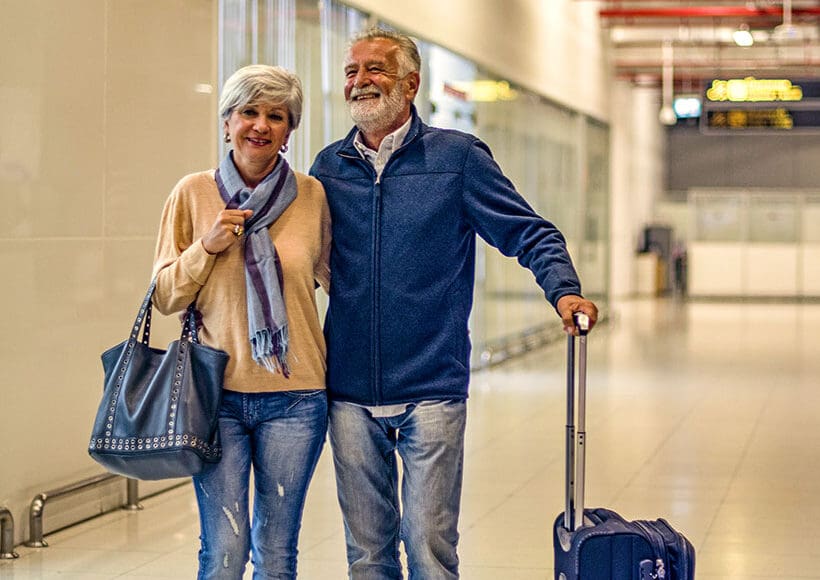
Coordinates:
487 91
753 119
751 90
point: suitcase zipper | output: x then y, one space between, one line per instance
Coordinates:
683 547
659 548
650 571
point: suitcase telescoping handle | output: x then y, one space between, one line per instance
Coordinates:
576 440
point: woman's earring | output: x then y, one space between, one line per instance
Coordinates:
227 138
284 148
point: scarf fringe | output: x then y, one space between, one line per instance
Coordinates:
270 350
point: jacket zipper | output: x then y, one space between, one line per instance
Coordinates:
374 319
375 343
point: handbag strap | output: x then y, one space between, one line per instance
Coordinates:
189 329
190 323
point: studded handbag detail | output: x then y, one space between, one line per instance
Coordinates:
158 415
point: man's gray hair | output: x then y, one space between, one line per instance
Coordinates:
261 83
409 58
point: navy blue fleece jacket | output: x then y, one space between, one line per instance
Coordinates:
403 256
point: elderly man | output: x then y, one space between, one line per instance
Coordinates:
407 201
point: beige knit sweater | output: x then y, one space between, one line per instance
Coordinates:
185 271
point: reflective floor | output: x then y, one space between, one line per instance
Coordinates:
706 414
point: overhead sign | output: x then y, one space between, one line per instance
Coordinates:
752 90
751 105
779 118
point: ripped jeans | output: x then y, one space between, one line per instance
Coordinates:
423 513
280 435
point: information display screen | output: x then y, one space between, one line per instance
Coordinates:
760 105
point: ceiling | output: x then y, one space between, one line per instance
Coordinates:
692 42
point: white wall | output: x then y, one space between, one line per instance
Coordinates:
553 47
99 117
637 158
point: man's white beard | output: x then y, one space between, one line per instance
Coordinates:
376 114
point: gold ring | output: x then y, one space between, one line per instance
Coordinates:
238 230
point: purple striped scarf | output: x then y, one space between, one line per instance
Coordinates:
267 317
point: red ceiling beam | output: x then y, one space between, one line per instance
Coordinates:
706 12
723 64
665 3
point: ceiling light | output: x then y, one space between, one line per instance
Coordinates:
667 114
742 36
786 33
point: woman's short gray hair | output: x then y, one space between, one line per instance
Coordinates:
409 58
261 83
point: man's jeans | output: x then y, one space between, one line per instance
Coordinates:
280 435
429 438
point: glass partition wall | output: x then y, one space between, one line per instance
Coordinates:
557 158
303 36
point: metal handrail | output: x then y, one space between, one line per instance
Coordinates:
7 535
515 345
38 504
132 500
505 348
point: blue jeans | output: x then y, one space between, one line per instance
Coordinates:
429 438
280 435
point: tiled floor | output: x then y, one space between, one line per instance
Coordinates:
705 413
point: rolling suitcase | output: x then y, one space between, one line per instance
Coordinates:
598 544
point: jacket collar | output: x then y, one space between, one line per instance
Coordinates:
347 147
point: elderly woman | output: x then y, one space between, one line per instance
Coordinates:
248 241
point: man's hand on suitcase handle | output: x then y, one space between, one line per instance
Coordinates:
571 305
581 323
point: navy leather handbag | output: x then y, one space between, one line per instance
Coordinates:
158 414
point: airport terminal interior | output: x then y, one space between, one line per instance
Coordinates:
687 189
702 413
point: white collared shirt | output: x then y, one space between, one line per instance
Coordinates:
378 159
